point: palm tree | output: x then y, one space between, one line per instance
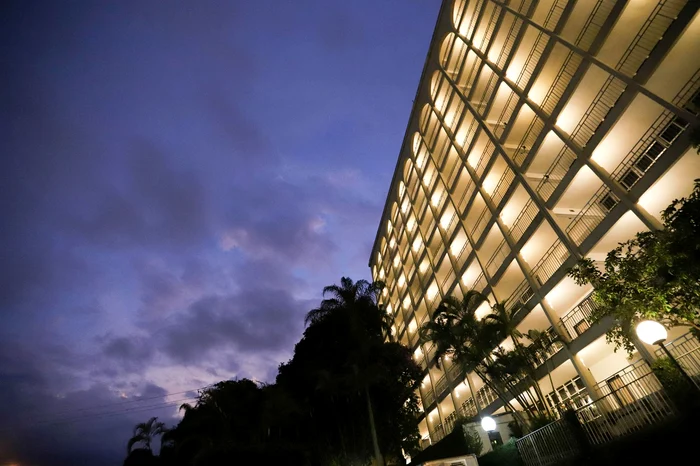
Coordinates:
456 331
357 302
144 433
504 319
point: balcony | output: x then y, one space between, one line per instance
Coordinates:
468 408
441 385
578 320
592 214
520 296
658 138
551 261
498 258
428 397
485 396
551 350
437 434
524 220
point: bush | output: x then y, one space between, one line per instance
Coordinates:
473 440
540 420
675 383
505 455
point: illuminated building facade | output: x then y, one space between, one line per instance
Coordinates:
541 132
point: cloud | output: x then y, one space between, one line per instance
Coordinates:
252 321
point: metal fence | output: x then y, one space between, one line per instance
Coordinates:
635 406
549 445
631 404
686 350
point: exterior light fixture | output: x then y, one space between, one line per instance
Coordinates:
653 333
488 424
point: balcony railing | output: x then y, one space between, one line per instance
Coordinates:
651 32
528 140
481 283
437 434
508 42
498 258
551 350
601 11
602 420
623 377
524 220
454 372
480 224
578 320
556 172
450 422
468 408
551 261
520 296
686 350
561 81
502 186
428 397
486 396
595 210
658 138
441 385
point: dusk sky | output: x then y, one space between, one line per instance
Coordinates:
179 181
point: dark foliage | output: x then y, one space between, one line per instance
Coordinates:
317 411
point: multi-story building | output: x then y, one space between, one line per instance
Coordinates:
542 132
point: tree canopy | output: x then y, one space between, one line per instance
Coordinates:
318 411
655 275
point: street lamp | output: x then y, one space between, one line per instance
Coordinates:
488 424
653 333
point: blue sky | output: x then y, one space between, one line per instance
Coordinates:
179 181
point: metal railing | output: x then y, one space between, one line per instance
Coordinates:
639 404
601 11
468 408
454 372
657 139
548 445
595 210
428 397
649 35
561 81
480 224
508 43
551 350
551 261
485 395
441 385
480 283
623 377
524 220
578 320
606 99
498 258
450 422
556 172
520 296
686 350
437 434
525 145
502 186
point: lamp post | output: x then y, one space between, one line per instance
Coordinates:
653 333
